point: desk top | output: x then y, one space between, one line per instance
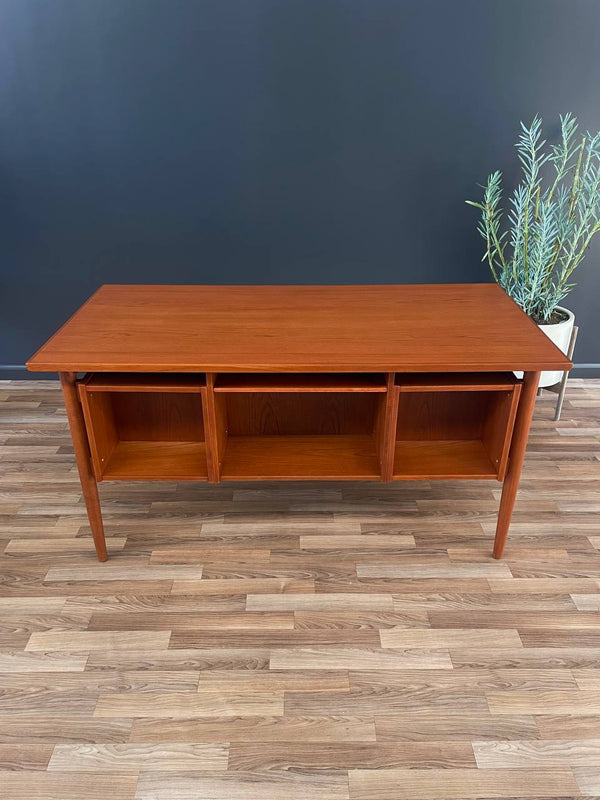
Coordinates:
412 328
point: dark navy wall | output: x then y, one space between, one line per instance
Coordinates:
264 141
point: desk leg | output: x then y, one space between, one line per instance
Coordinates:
84 463
515 459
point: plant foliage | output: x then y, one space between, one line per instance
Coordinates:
549 229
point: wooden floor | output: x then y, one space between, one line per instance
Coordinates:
299 641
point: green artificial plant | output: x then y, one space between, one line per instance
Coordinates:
550 222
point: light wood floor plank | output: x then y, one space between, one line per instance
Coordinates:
561 701
31 605
243 586
459 784
588 780
71 786
192 555
184 704
376 703
119 681
438 638
40 726
26 662
453 726
296 637
33 585
325 657
488 679
527 658
288 728
24 757
566 620
361 542
394 586
242 786
587 679
337 756
521 754
73 641
134 757
161 603
119 572
359 620
533 586
319 602
273 680
573 726
587 602
453 602
183 620
251 658
443 570
24 546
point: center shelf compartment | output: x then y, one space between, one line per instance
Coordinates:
454 426
294 457
300 382
299 427
145 427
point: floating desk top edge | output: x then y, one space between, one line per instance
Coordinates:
406 328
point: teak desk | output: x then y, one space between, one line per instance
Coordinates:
237 383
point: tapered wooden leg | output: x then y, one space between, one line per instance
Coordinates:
515 459
84 464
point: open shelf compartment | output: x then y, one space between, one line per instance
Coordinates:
453 426
453 382
325 432
186 383
145 427
323 382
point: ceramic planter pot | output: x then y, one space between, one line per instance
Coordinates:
560 334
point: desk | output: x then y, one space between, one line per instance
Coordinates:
240 383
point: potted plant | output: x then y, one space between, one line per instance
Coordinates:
550 223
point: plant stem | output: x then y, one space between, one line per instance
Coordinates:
575 186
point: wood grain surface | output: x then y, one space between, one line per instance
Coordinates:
298 328
335 641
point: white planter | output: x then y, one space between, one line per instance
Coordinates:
560 334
